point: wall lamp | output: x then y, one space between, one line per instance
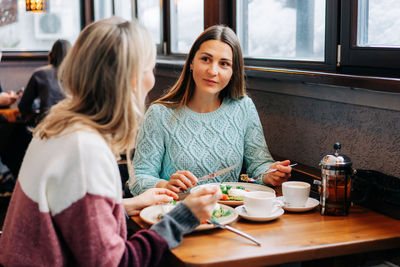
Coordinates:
36 5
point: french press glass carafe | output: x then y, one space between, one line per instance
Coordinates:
336 174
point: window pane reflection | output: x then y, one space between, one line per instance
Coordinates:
149 15
187 23
102 9
32 31
378 23
282 29
123 8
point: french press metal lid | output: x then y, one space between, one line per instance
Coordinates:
336 161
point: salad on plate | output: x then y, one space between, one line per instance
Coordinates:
233 192
221 213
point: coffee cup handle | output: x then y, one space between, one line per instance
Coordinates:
279 203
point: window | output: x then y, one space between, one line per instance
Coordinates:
187 22
103 9
149 15
338 36
370 37
378 23
277 29
31 31
124 9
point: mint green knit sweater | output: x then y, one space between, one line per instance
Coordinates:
202 143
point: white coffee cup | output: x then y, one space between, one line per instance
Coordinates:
295 193
260 203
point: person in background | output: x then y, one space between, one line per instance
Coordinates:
7 180
44 85
1 54
7 98
205 123
67 207
8 133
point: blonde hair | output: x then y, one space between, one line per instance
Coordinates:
102 76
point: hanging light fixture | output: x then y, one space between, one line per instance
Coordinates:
36 5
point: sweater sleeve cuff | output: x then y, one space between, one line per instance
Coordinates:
175 224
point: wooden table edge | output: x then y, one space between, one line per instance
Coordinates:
310 253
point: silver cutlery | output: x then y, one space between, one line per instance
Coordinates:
236 231
270 171
215 174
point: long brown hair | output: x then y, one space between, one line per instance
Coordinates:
58 52
183 90
102 76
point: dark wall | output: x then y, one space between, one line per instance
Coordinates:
16 74
305 129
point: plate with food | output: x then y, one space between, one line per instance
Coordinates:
222 214
233 192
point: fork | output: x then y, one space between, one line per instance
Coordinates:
270 171
234 230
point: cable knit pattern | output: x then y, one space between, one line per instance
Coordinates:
172 140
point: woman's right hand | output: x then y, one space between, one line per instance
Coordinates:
181 181
152 196
202 202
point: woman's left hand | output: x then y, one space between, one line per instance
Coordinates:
150 197
280 176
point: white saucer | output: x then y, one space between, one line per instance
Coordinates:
241 210
310 204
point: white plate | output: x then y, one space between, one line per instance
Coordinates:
151 215
247 186
241 210
310 204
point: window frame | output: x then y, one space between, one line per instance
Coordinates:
344 65
331 40
333 71
364 60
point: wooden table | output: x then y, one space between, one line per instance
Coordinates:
292 237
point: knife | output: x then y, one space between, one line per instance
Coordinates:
236 231
215 174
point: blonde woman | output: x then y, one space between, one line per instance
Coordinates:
67 207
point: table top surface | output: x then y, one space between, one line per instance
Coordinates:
291 237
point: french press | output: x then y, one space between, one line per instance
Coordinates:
335 186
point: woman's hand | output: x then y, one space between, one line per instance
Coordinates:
202 202
150 197
280 176
181 181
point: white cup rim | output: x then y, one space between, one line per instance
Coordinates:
288 183
253 195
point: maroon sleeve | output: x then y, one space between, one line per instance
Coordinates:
145 248
94 231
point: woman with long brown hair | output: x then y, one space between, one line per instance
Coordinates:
205 123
